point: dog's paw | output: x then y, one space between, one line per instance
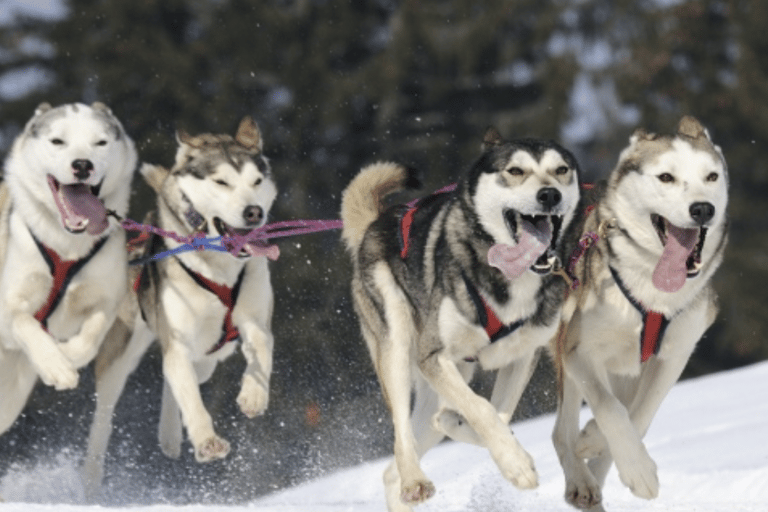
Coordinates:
211 449
639 473
253 398
59 373
584 493
517 467
591 442
416 492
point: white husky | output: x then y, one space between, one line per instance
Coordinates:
196 303
645 300
63 262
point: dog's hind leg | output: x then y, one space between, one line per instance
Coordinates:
426 404
393 363
114 364
17 379
169 430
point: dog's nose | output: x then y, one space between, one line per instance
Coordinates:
549 197
702 212
253 214
82 168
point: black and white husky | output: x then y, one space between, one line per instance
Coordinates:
461 278
644 301
63 262
196 303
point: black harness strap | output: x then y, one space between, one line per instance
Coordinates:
494 327
62 272
654 323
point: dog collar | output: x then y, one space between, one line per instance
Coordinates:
227 296
62 272
654 323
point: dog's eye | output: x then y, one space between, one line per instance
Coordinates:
560 171
515 171
712 176
101 143
57 142
221 182
257 182
666 177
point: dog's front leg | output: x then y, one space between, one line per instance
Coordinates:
180 374
55 369
657 376
508 387
636 468
257 348
444 376
81 348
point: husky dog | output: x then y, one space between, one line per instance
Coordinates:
645 300
195 303
462 277
63 262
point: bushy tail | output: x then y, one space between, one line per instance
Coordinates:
362 200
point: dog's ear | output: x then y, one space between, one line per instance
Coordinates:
101 107
248 134
690 127
641 134
491 138
154 175
42 108
182 137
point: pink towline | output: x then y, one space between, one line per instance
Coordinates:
254 242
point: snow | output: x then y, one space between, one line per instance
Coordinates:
708 441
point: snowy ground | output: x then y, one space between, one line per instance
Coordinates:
708 441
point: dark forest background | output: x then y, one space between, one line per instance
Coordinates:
335 85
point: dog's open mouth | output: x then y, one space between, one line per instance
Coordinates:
681 258
79 206
535 237
238 243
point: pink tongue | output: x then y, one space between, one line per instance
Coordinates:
514 260
78 207
239 241
270 251
671 270
83 207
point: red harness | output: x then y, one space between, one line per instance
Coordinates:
227 296
494 328
62 272
654 323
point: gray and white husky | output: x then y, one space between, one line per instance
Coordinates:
645 300
196 303
461 278
63 262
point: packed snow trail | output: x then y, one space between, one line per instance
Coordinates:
708 441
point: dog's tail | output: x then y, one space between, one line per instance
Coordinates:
362 200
